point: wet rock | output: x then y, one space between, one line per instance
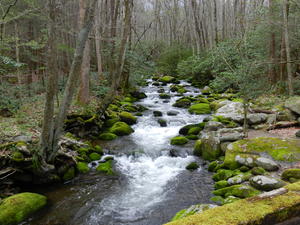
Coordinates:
207 118
197 148
265 183
162 122
164 96
245 160
206 90
167 79
238 179
258 171
182 103
266 164
172 113
128 118
106 167
157 113
240 191
185 130
156 84
192 166
161 91
82 167
138 95
213 126
166 101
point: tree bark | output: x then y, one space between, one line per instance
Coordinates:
287 46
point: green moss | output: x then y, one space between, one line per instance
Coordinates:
111 122
250 211
223 174
230 199
181 90
227 122
258 171
69 175
98 149
82 167
191 211
185 130
240 191
127 118
192 166
212 166
215 105
218 200
167 79
192 137
179 140
197 148
106 167
291 173
17 208
279 149
107 136
194 130
121 129
221 184
244 169
164 96
94 156
201 108
17 157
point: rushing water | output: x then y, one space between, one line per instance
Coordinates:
151 187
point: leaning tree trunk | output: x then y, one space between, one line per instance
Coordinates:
53 128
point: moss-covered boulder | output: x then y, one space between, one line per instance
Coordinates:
201 108
107 136
221 184
192 137
167 79
227 122
19 207
197 148
279 149
194 209
111 122
223 174
291 173
128 118
185 130
94 156
277 207
258 171
179 140
121 129
17 157
210 147
194 130
240 178
164 96
266 183
182 103
192 166
293 104
106 167
69 174
82 167
240 191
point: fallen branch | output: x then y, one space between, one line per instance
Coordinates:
283 125
262 111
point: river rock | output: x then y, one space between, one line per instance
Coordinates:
245 160
162 122
138 95
210 146
267 164
257 118
213 126
238 179
293 104
232 110
172 113
157 113
265 183
230 137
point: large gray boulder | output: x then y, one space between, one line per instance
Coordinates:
265 183
293 104
231 110
211 146
257 118
267 164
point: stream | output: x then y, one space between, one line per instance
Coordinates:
151 185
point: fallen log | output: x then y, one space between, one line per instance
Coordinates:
262 111
281 125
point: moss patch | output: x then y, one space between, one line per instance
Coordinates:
106 167
16 208
179 140
107 136
82 167
279 149
201 108
167 79
121 129
240 191
250 211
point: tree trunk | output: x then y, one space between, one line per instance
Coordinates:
52 128
98 43
287 46
84 89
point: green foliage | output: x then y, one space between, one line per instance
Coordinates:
170 57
